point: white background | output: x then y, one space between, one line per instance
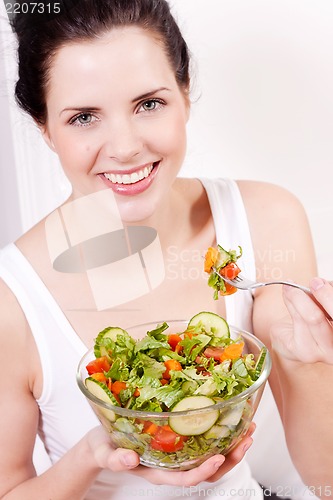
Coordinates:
263 109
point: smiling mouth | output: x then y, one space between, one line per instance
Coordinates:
132 178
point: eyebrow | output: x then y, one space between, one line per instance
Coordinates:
85 109
149 94
93 109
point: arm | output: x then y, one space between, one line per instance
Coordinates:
284 249
303 353
19 418
19 388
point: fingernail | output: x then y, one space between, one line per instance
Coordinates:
247 446
129 460
316 283
218 464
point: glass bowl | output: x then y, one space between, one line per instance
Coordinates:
227 420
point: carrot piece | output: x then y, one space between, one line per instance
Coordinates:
164 381
99 376
232 351
118 386
136 393
229 289
151 429
171 364
210 259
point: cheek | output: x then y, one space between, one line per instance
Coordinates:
73 153
172 138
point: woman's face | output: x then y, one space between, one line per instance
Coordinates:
117 119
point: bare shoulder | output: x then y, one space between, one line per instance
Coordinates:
279 227
15 333
17 356
269 199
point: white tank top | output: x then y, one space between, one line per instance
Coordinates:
66 416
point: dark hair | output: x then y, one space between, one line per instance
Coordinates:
40 35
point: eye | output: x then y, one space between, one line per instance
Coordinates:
151 105
83 119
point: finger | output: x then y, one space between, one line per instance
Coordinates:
233 458
307 317
188 478
116 460
236 455
323 292
301 306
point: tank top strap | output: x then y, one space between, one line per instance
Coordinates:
232 230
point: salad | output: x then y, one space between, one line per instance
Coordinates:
194 369
219 264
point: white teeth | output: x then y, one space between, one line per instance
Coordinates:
129 178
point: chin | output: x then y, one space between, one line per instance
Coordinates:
132 212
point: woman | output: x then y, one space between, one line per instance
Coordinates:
108 85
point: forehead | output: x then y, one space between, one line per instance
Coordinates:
130 56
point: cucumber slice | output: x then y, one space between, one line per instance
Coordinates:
208 388
108 333
188 387
101 392
218 432
233 416
193 424
212 323
260 363
223 258
124 425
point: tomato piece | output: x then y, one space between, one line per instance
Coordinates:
230 271
167 440
98 365
173 340
171 364
214 352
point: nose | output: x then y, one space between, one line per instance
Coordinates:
123 141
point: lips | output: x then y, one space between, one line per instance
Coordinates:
132 183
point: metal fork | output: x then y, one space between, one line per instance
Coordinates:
245 284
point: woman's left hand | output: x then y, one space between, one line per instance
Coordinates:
309 338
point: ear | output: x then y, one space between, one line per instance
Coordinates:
47 137
187 104
188 110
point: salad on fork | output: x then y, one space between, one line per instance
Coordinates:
221 264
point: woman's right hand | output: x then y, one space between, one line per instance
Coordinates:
309 338
121 460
